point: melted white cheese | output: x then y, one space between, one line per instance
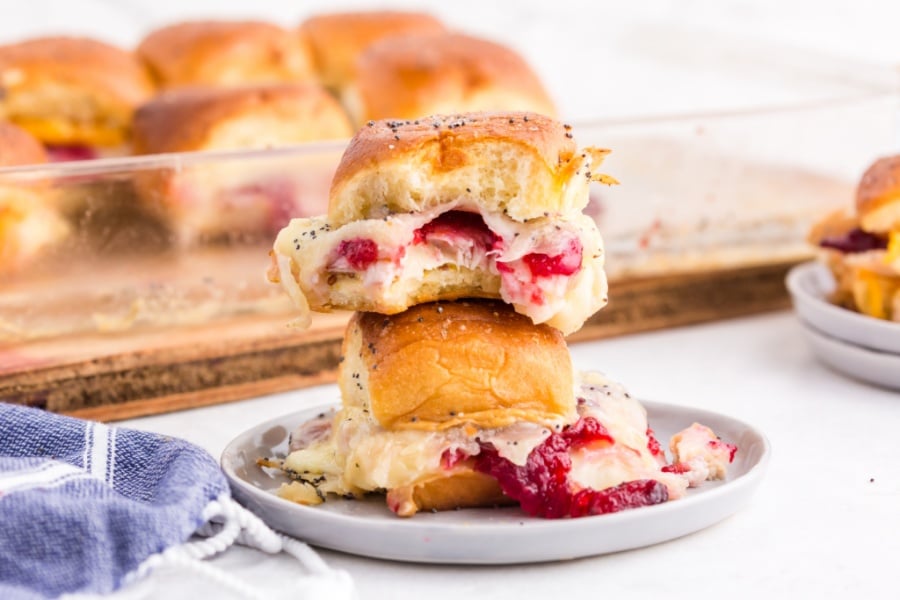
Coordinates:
311 247
359 455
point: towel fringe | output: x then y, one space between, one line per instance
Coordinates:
225 523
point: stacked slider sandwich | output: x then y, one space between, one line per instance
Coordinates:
462 243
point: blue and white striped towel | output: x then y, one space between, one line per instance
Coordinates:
88 508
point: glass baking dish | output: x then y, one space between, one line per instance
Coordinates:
698 193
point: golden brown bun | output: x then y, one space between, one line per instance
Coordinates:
71 91
18 147
337 39
209 118
462 489
878 196
225 53
406 77
447 364
411 166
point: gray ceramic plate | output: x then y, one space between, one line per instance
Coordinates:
810 284
871 366
492 536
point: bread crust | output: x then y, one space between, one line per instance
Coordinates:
187 119
464 488
225 53
337 39
411 76
878 196
524 165
68 90
448 364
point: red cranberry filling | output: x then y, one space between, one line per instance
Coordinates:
70 153
855 240
450 458
542 485
717 444
677 468
456 224
359 252
653 445
566 263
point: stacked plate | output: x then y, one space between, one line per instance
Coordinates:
862 347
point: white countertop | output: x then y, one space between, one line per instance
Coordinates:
824 524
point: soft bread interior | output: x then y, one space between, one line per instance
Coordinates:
522 165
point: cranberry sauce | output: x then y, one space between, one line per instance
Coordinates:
359 252
653 445
566 263
70 153
718 444
676 468
456 224
855 240
542 485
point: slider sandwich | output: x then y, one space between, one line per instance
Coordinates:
217 198
483 205
862 248
225 53
461 240
410 76
75 95
28 222
468 404
337 39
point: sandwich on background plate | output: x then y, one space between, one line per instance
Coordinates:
862 248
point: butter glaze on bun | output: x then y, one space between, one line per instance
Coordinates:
337 39
523 165
71 91
442 365
409 76
225 53
211 118
878 196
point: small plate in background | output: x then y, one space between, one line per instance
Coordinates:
810 284
871 366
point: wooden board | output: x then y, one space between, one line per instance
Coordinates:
162 371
